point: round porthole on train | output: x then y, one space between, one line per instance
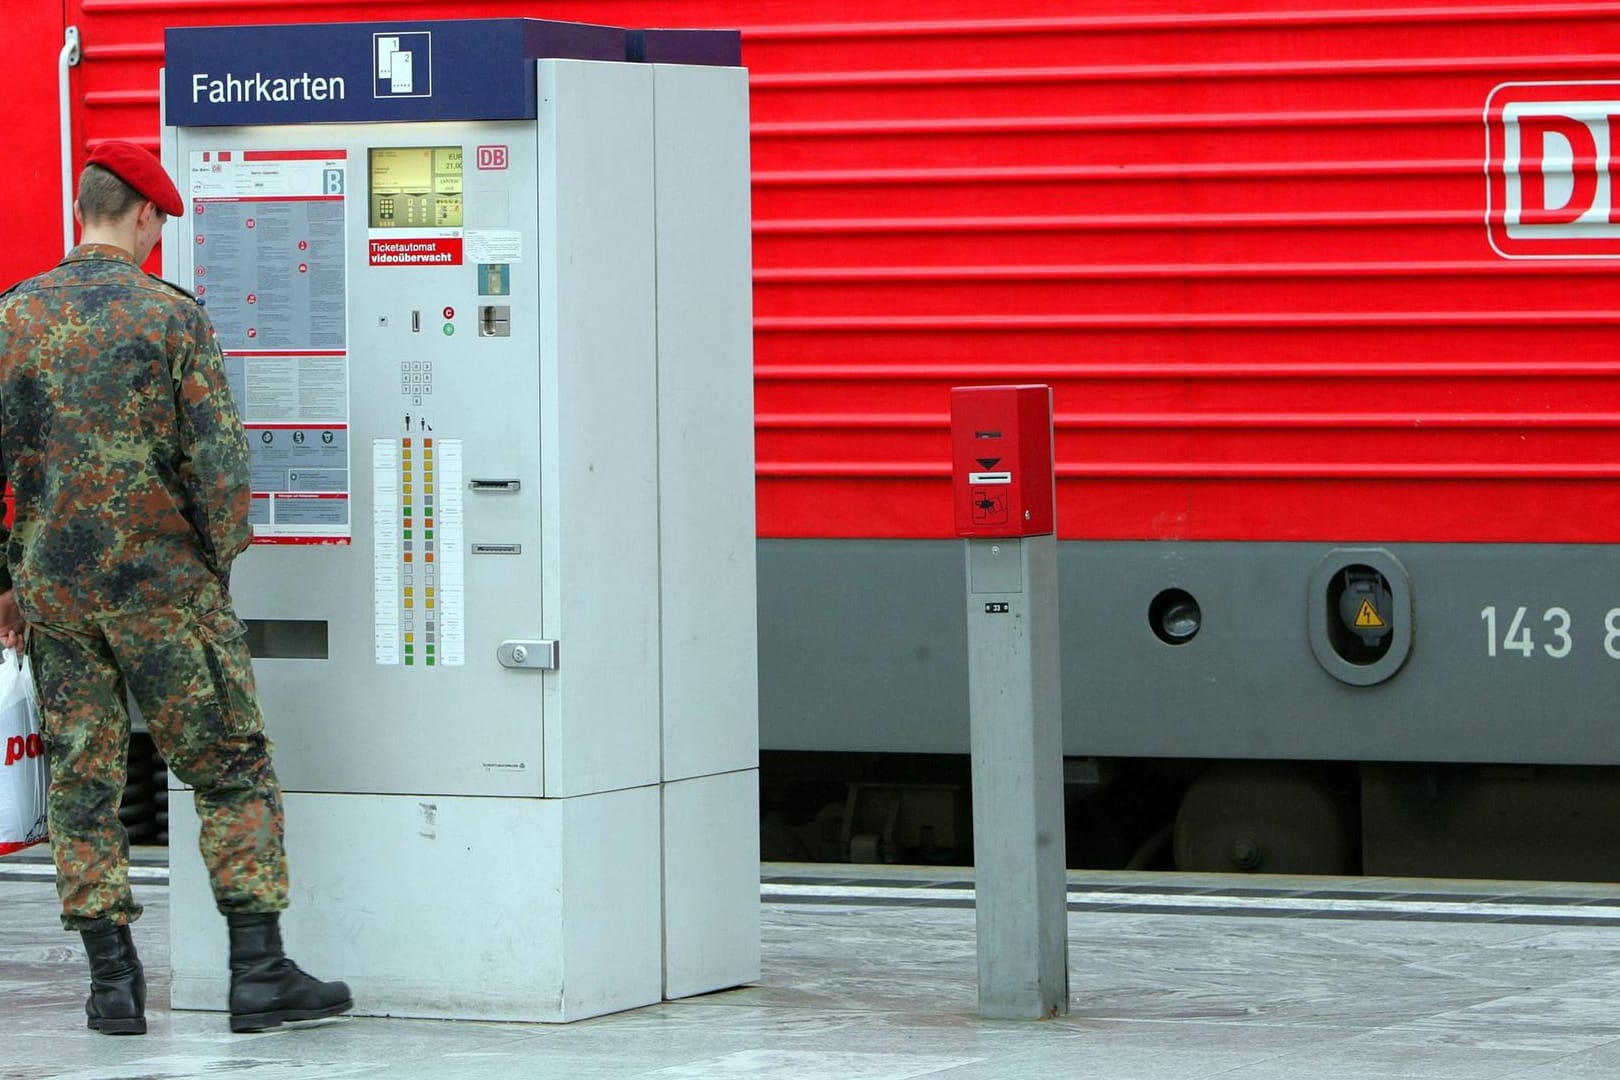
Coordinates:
1175 616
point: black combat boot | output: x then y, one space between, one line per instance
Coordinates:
117 1001
266 987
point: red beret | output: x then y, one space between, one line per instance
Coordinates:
141 171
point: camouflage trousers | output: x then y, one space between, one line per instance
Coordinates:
189 673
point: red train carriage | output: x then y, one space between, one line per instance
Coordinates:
1325 292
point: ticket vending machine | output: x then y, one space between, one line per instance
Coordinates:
483 290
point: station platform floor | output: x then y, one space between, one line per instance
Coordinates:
869 974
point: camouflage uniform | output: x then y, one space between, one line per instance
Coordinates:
130 472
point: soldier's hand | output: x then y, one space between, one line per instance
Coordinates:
11 622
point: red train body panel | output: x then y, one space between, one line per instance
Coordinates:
1246 243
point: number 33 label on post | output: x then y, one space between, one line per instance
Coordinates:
1521 632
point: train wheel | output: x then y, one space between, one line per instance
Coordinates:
1267 817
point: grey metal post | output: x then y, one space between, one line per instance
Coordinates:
1017 744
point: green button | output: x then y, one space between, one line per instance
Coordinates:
449 329
407 534
427 534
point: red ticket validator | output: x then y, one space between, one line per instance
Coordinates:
1001 461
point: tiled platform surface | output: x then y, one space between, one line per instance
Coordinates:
869 975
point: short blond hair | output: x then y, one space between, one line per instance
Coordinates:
105 197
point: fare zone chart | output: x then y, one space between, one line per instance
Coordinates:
270 267
419 580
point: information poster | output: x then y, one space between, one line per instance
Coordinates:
271 270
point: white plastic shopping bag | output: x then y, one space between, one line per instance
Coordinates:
23 776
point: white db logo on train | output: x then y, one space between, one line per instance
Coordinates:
1551 158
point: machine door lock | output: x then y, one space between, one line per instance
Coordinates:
541 655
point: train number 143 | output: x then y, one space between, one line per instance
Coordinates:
1555 626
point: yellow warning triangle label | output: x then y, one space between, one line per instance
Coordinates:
1368 615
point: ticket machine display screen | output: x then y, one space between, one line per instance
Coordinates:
414 187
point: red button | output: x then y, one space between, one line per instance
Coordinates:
449 312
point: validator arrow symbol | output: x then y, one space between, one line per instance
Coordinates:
989 462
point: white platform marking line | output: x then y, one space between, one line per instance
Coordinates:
147 875
1216 901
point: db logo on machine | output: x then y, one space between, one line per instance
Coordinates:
1551 154
492 157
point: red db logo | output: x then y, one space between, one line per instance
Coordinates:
492 157
1551 157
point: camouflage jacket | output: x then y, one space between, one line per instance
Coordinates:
121 441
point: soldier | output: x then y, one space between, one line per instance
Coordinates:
129 468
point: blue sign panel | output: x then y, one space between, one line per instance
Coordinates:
714 48
470 69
